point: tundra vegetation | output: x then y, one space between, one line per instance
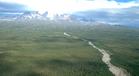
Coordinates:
39 48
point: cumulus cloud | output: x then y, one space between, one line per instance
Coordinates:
111 11
11 7
10 10
62 6
124 16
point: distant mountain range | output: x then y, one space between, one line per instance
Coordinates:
32 15
28 15
93 17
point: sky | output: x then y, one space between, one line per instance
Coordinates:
64 6
115 11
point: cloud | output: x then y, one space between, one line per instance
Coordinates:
10 10
124 16
11 7
112 11
62 6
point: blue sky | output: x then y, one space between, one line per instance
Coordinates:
124 0
114 11
62 6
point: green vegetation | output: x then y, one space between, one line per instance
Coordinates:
121 42
41 49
